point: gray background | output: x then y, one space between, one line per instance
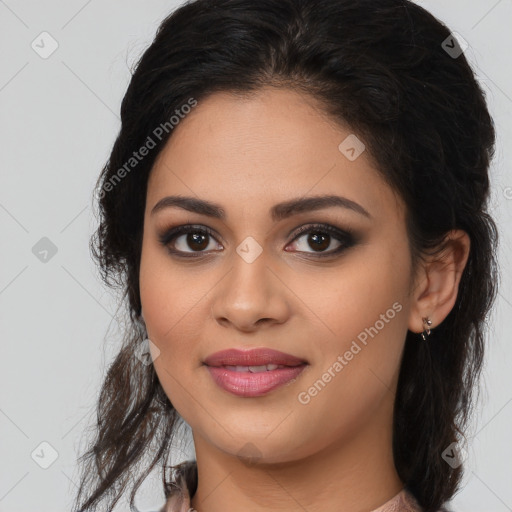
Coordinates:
59 329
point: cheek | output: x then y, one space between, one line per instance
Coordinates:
362 299
365 321
174 309
362 315
168 294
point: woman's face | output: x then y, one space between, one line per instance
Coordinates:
338 302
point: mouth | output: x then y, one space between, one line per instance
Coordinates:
255 372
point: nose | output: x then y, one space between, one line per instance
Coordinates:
250 296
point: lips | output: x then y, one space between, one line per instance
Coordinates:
253 360
255 372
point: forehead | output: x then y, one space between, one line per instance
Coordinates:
255 150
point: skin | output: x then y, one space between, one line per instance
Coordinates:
247 154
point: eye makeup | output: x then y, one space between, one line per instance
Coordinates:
200 235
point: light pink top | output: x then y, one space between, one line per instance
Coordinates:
179 501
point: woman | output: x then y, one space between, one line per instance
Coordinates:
296 211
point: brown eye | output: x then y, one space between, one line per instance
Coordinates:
318 241
320 237
196 241
188 239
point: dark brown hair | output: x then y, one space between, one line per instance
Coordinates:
382 68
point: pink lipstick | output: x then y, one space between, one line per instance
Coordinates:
254 372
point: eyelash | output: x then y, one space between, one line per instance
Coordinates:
346 237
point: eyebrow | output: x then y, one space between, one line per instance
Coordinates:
278 212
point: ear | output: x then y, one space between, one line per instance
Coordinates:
437 282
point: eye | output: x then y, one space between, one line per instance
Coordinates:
200 239
194 237
320 237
